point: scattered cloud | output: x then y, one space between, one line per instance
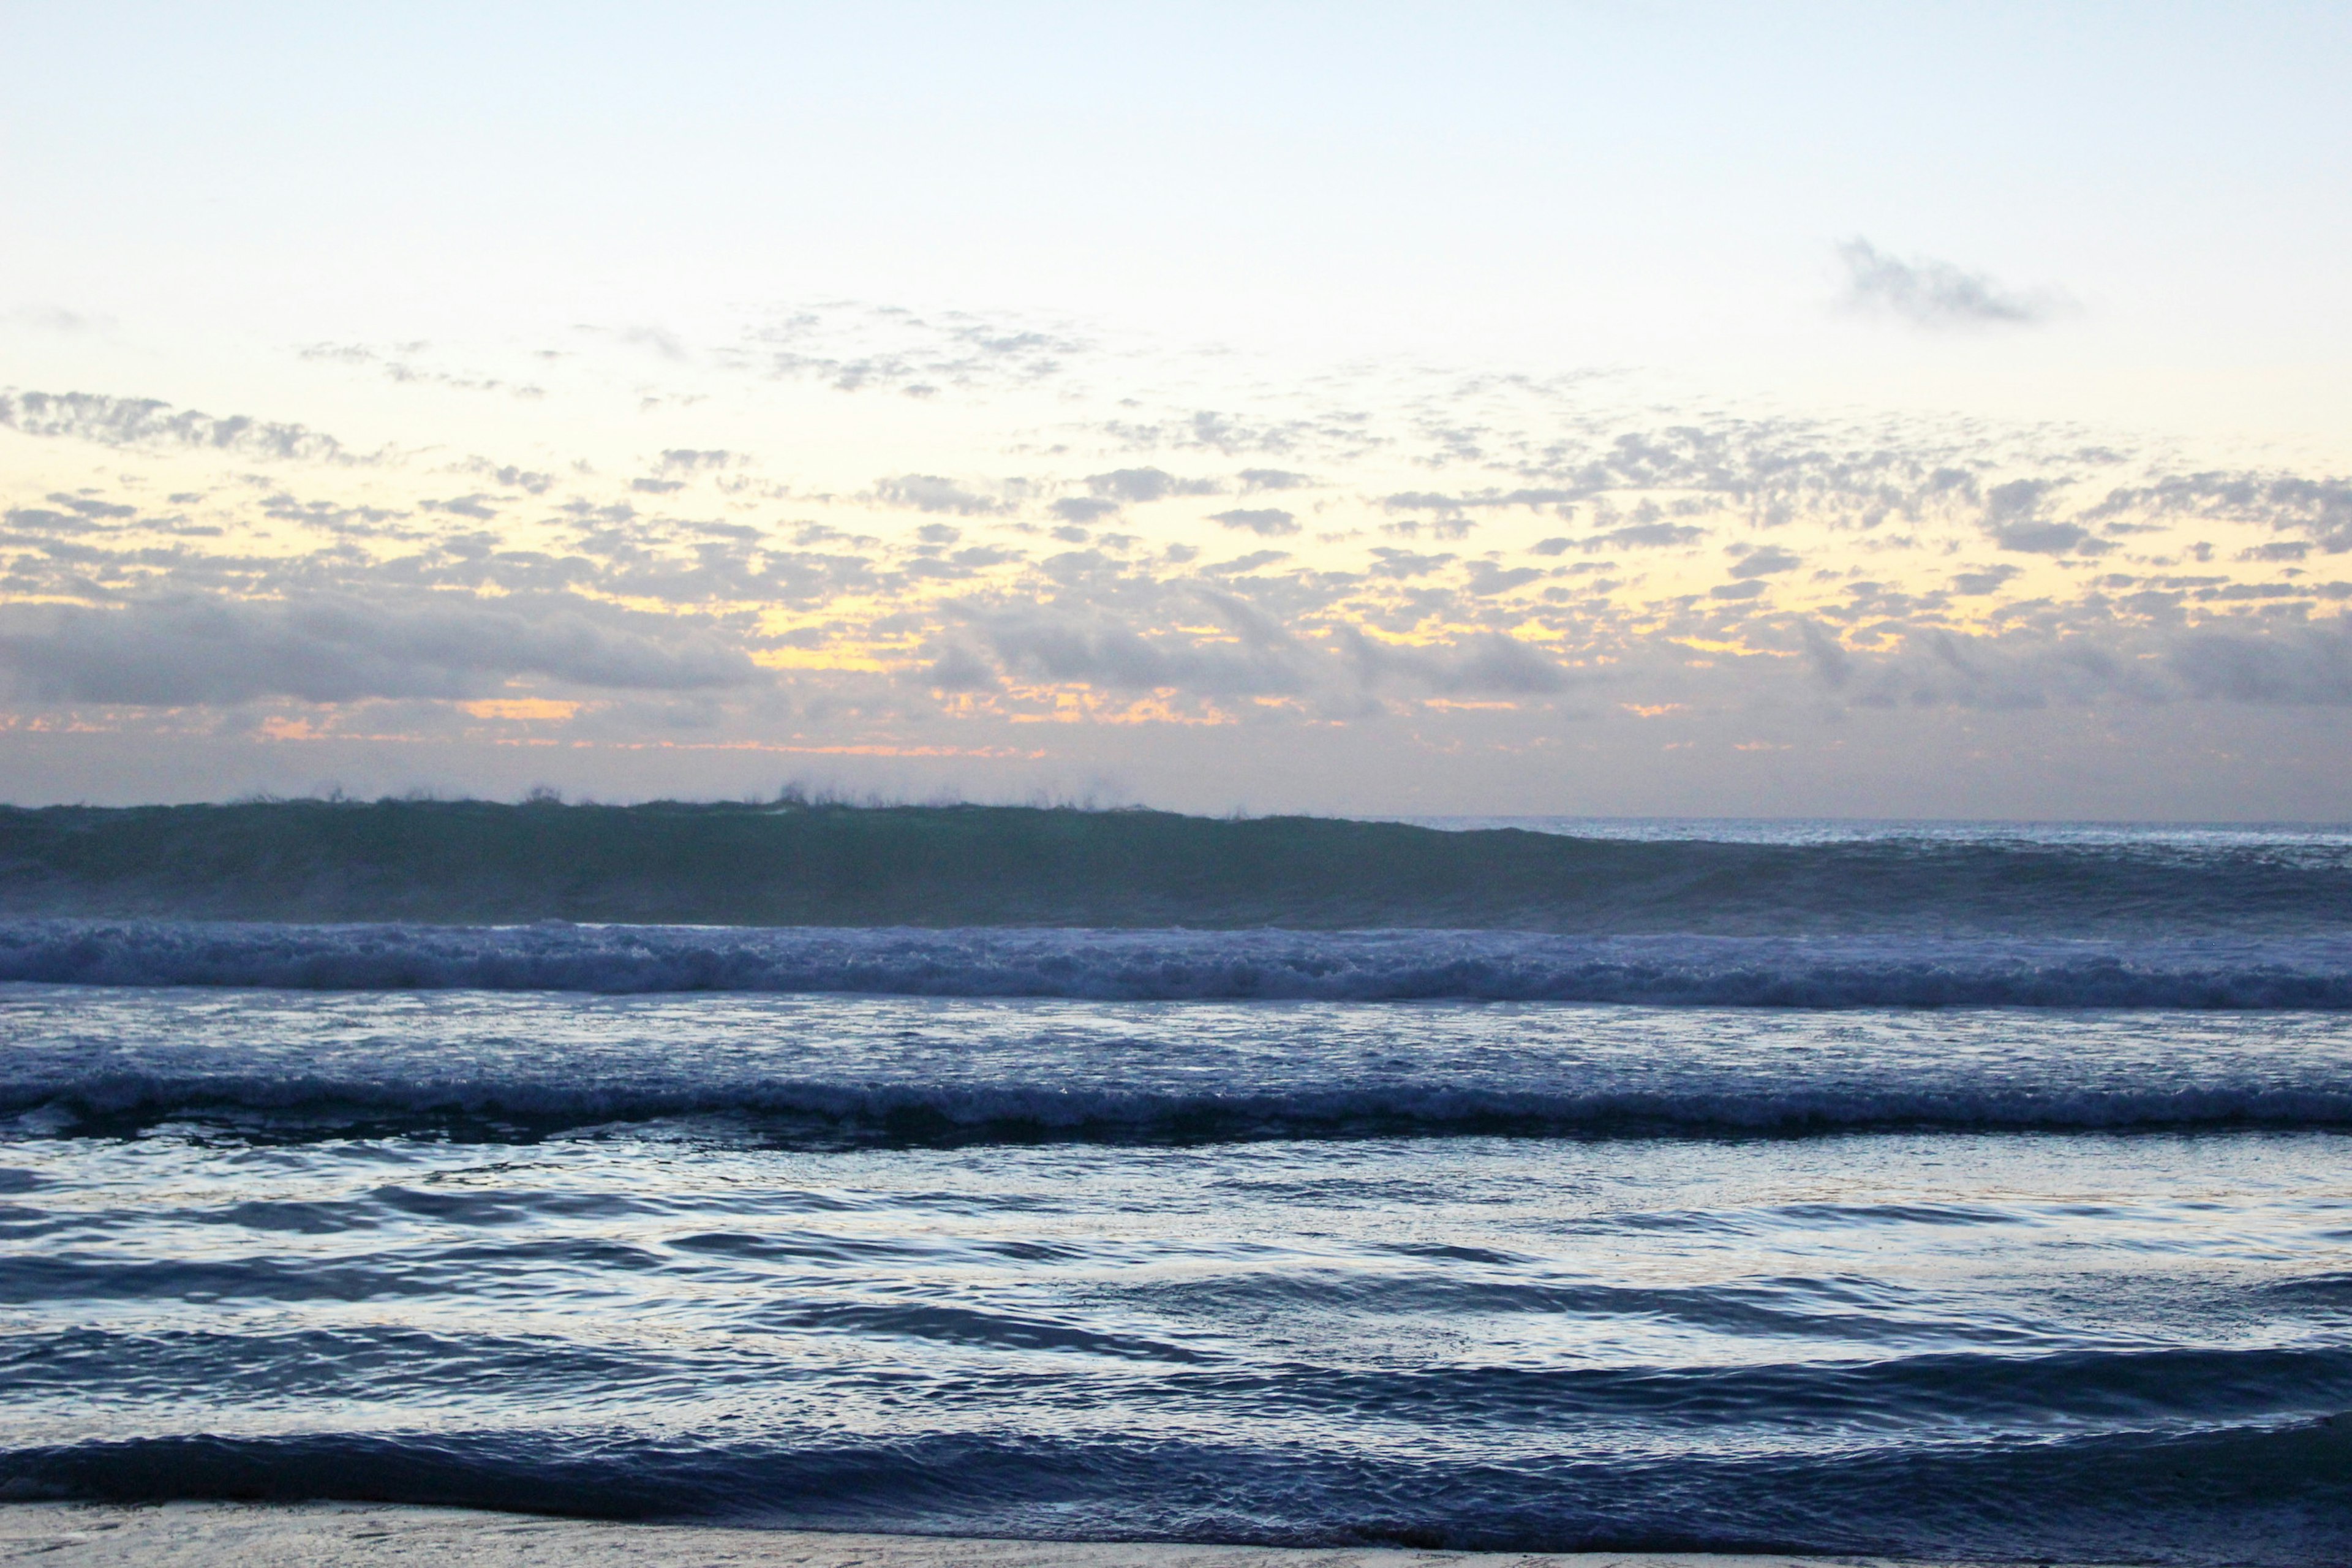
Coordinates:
1765 562
929 492
1267 522
146 422
1128 486
1935 294
187 648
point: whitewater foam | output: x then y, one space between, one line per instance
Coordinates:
823 1070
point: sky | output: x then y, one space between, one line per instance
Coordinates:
1934 411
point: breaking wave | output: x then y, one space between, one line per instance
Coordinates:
474 863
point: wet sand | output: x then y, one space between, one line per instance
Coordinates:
334 1535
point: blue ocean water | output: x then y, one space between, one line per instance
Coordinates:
2009 1243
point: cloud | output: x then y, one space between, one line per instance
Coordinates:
2319 509
853 347
405 371
2043 538
1935 294
2313 667
56 318
477 507
1390 562
960 668
1424 501
190 649
1644 536
659 340
1108 654
1489 663
2012 516
1985 581
1272 479
929 492
1266 522
1764 563
686 460
145 421
1485 577
1084 509
1138 485
509 475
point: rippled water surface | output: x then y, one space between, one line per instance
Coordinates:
1977 1281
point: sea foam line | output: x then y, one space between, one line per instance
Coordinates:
1187 965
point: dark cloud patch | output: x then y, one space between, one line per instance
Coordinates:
69 514
930 492
1250 562
1488 578
506 476
1084 510
1644 536
1765 561
1831 664
1428 501
2033 538
1108 654
191 649
688 460
1253 480
1935 294
1986 580
2313 667
1130 486
1387 560
1490 663
145 421
1267 522
360 521
477 507
2318 509
960 668
91 507
2014 517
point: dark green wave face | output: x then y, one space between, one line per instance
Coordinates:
469 861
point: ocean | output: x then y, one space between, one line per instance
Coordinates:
1929 1190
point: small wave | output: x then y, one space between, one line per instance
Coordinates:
823 1113
2253 1494
1183 965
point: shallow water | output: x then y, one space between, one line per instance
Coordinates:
1999 1283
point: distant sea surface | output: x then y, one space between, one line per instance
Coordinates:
1994 1201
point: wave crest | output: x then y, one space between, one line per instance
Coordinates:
1180 966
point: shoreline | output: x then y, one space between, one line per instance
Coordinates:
348 1535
